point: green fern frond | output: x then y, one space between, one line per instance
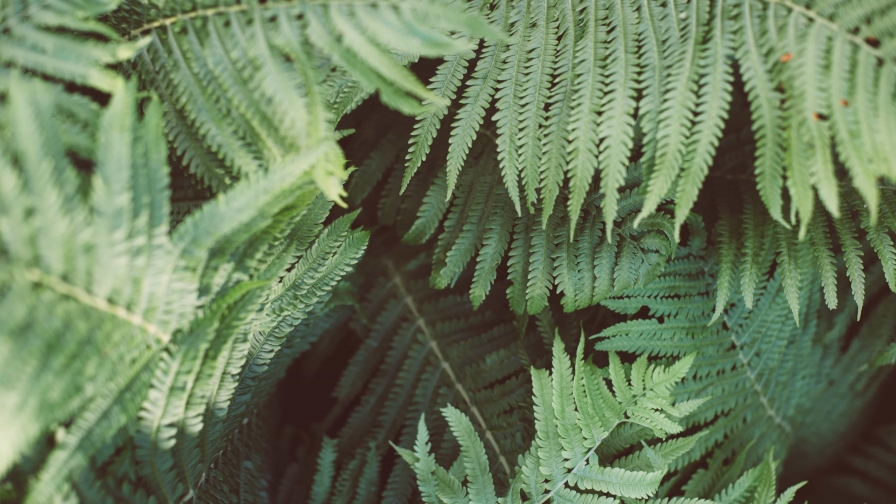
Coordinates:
107 265
541 256
423 349
739 362
575 411
267 62
814 88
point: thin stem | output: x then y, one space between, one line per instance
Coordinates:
434 346
768 408
64 288
227 9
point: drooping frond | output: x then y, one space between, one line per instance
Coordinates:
753 243
478 226
819 78
247 85
165 327
63 41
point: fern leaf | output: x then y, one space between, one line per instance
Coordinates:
518 262
852 256
880 241
820 238
755 245
444 85
676 114
541 265
476 99
495 240
815 49
727 246
509 102
621 482
581 161
753 55
845 124
616 128
713 100
548 455
790 271
540 47
481 487
323 477
554 136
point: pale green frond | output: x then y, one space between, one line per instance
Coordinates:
616 128
480 486
587 93
677 112
753 55
443 84
713 101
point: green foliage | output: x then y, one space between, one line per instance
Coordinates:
579 74
754 363
575 413
750 244
172 265
477 222
176 334
247 85
421 349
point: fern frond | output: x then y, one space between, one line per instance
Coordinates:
423 349
280 52
584 268
576 412
676 114
762 366
581 160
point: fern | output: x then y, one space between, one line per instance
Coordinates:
758 235
158 322
420 350
575 411
589 81
172 264
542 256
761 367
268 62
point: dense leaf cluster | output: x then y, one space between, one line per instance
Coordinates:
181 268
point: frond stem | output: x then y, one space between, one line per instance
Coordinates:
830 24
64 288
434 346
768 408
227 9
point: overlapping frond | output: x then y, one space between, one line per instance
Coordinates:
162 326
477 226
750 244
579 75
765 372
247 85
575 412
422 349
